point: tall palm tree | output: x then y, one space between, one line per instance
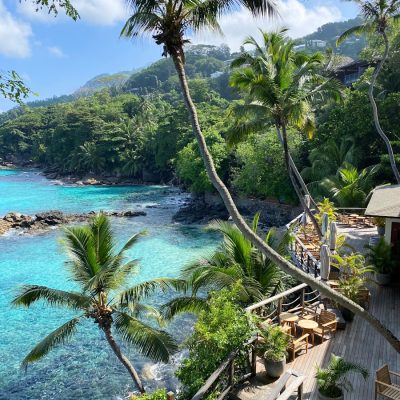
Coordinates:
102 273
378 15
236 263
168 22
281 87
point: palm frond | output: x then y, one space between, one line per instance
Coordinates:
150 342
184 304
29 294
59 336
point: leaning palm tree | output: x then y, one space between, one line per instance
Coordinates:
168 22
101 273
281 86
378 15
236 263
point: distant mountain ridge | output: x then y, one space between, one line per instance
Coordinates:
104 81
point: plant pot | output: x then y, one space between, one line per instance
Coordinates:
323 397
347 314
381 230
275 368
382 279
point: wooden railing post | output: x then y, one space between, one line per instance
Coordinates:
170 396
279 308
231 372
302 297
254 359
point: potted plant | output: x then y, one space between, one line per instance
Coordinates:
380 257
380 225
352 279
273 349
332 381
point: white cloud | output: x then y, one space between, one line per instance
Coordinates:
56 52
98 12
293 15
14 35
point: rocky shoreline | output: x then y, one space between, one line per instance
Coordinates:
42 222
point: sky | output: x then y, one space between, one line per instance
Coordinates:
55 55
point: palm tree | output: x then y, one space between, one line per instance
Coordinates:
236 263
168 22
378 15
349 187
101 274
281 85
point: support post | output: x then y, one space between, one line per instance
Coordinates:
253 360
231 372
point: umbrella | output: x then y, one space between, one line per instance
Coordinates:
325 260
307 201
325 221
333 236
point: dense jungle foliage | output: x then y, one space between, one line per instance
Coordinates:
140 130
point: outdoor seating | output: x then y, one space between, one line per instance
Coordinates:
326 324
296 345
384 385
309 312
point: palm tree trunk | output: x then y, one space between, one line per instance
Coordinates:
375 113
259 243
121 357
294 184
297 174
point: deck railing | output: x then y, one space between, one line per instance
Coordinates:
225 376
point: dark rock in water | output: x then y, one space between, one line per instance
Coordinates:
128 213
49 219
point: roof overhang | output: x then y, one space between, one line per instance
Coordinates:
385 202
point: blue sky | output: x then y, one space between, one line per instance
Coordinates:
56 55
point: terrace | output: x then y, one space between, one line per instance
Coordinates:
357 342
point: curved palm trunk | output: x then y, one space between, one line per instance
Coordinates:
294 184
375 114
121 357
271 254
297 174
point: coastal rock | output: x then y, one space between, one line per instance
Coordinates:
46 220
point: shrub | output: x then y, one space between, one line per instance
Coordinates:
217 332
159 394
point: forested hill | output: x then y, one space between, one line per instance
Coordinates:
330 32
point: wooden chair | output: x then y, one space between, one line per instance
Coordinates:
296 345
326 324
309 312
384 385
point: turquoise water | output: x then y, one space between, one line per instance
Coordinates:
85 368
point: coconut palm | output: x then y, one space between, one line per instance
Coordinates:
236 263
281 87
168 22
378 15
349 187
102 274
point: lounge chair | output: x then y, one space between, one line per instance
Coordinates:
384 385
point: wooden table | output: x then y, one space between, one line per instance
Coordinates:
290 319
308 326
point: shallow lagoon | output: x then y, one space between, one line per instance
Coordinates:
85 368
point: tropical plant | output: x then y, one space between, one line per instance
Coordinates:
332 381
282 86
378 15
327 158
380 257
236 263
224 327
168 23
159 394
101 274
350 187
274 344
326 206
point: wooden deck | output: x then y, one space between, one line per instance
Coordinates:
360 343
